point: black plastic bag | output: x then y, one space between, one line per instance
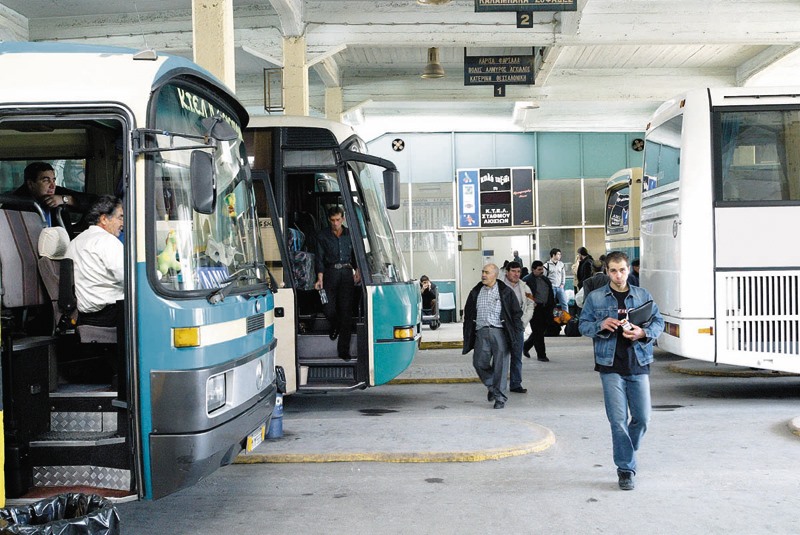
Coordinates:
65 514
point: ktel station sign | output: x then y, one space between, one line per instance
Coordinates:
498 70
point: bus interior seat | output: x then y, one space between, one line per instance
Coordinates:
307 224
53 243
22 289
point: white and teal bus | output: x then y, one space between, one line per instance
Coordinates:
187 380
310 165
623 208
721 197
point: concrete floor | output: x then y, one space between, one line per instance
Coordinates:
719 457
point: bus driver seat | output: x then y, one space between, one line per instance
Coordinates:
57 274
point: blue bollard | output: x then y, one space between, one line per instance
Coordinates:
276 424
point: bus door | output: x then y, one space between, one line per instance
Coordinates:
757 197
276 248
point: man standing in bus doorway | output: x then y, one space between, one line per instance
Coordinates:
527 304
492 320
555 271
337 276
622 354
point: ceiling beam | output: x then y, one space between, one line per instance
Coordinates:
762 61
290 13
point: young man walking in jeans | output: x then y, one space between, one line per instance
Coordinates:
622 354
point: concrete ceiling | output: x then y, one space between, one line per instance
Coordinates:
604 68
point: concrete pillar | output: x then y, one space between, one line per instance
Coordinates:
213 39
295 76
334 106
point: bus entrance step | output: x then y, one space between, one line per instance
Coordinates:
80 458
328 373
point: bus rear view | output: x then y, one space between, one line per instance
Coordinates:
721 189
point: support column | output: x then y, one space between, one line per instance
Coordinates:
213 39
295 76
334 106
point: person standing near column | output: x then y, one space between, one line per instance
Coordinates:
557 273
622 354
492 320
337 275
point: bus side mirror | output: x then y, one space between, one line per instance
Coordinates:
204 185
391 188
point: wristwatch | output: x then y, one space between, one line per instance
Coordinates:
64 199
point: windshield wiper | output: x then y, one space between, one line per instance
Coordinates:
245 272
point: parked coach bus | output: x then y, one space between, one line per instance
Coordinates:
310 165
721 200
186 379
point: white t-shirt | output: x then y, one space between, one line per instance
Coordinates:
98 260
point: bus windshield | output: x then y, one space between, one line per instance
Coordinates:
386 264
195 251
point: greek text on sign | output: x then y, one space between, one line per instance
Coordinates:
492 70
526 5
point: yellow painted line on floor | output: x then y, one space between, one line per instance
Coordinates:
434 380
488 454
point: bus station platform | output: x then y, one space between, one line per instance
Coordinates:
424 423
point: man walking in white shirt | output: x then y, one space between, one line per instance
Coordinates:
554 270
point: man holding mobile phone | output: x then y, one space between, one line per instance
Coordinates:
623 352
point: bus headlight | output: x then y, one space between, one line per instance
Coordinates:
404 333
215 392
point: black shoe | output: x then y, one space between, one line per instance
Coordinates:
334 334
490 396
346 357
499 404
625 480
526 353
519 390
543 359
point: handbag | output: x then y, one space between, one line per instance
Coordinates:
642 314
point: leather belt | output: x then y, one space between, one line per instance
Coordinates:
340 266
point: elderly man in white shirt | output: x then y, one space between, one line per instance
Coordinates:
527 304
98 259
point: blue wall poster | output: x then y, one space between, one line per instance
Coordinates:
467 198
495 197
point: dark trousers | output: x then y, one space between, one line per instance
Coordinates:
541 316
339 286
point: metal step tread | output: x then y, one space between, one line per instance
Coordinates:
76 438
328 361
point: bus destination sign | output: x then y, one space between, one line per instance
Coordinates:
525 5
498 70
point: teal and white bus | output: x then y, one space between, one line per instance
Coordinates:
310 165
187 380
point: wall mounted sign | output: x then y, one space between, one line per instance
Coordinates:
498 70
525 5
495 197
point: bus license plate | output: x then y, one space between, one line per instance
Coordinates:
256 438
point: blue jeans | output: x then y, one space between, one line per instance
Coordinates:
622 393
516 362
561 298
